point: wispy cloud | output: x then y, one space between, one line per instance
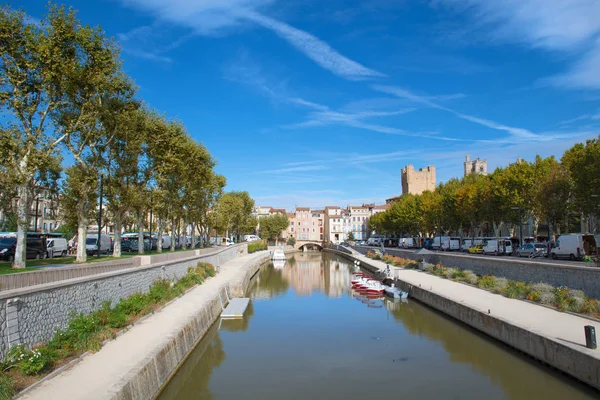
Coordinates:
150 43
426 100
567 26
305 168
211 17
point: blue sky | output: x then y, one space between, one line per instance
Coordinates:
315 103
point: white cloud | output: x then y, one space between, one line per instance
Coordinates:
211 17
425 100
569 26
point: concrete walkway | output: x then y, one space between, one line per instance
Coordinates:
98 375
556 325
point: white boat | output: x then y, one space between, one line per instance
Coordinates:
278 255
278 264
394 292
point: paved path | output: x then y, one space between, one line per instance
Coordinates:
96 374
562 327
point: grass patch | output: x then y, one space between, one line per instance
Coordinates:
257 245
89 332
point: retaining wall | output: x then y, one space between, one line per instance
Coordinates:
578 364
150 376
582 278
33 314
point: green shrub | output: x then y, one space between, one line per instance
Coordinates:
589 307
500 285
486 282
470 277
257 245
7 390
159 291
291 241
534 296
458 275
517 290
137 304
564 299
117 319
411 265
37 361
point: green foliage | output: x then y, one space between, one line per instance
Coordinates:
486 282
291 241
257 245
271 226
29 361
517 290
350 237
7 390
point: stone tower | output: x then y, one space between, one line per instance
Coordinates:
476 166
416 182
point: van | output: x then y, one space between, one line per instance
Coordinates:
494 246
574 247
250 238
57 247
35 248
446 243
408 243
91 244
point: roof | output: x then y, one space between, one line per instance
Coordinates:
326 207
357 207
290 215
382 207
318 211
278 210
302 208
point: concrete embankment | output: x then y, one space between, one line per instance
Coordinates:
554 338
579 277
137 364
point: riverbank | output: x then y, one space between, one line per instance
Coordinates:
552 337
139 362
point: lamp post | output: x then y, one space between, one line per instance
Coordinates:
595 196
37 202
100 219
520 226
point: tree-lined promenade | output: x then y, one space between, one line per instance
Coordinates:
547 190
65 96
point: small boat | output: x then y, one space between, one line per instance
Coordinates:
278 255
394 292
278 264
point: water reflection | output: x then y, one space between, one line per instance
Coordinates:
311 336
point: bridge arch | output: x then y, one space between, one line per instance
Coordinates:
308 246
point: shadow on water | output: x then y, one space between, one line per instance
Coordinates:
312 336
192 379
504 365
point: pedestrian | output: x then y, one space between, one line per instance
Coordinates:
387 270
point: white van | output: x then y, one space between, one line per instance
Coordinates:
494 246
57 247
250 238
408 243
446 243
573 247
91 244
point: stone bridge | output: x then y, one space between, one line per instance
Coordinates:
306 245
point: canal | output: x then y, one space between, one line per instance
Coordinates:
306 335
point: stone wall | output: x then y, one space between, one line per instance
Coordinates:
32 315
582 278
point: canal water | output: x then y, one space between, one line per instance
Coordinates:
306 335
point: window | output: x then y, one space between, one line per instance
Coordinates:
45 227
44 212
51 227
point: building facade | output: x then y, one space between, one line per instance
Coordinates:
476 166
416 182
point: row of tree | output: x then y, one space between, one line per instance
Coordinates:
547 191
63 93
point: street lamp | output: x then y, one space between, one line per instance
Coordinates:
37 202
520 226
100 219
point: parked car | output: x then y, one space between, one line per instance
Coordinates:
573 247
57 247
494 246
36 248
428 244
126 245
528 248
476 249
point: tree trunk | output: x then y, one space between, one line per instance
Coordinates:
159 241
172 235
22 227
184 231
117 248
140 221
81 239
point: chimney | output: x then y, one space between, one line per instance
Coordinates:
468 158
